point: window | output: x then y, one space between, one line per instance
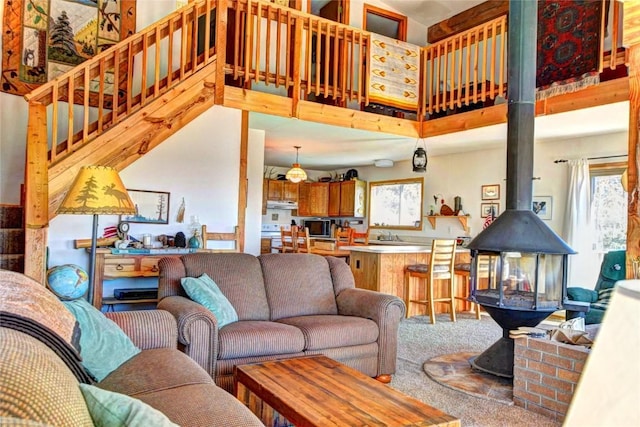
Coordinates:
396 204
609 206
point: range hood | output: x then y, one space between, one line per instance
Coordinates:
278 204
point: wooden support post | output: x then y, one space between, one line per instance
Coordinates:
633 224
243 181
297 41
36 193
631 39
221 48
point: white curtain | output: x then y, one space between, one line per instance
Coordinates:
584 267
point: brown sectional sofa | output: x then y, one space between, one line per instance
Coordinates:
288 305
38 387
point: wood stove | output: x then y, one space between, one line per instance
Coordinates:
519 265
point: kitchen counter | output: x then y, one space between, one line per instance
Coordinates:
396 248
381 268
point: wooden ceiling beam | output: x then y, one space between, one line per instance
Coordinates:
467 19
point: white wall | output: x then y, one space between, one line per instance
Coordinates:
463 175
200 163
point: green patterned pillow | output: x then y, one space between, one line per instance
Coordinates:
206 292
109 409
604 296
103 345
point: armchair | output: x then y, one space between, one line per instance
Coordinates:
612 269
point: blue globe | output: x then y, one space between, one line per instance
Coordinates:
68 281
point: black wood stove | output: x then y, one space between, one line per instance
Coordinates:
518 265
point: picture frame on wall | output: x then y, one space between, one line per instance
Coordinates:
491 192
543 206
485 209
152 207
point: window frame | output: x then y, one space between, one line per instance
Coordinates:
373 184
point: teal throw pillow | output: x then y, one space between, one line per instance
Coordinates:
206 292
582 294
109 409
103 345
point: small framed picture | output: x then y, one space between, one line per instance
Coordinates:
491 192
485 209
152 207
543 206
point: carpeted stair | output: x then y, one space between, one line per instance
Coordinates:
12 238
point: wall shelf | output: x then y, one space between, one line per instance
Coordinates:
462 218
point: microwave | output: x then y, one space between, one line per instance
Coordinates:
319 227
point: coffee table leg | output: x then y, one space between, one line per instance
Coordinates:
267 415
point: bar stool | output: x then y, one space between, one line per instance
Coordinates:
440 267
464 270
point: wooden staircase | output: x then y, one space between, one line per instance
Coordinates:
12 238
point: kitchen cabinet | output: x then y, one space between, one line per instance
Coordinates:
313 199
282 191
334 198
353 198
265 245
277 190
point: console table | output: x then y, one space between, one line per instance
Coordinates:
124 265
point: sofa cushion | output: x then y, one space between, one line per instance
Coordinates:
52 398
153 370
206 292
103 345
322 332
109 409
298 285
238 276
255 338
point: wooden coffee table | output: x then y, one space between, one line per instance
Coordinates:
318 391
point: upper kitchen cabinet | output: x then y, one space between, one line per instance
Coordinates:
353 198
282 191
334 198
313 199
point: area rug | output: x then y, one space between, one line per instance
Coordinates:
568 46
454 371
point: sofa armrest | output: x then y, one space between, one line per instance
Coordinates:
582 294
197 330
148 328
386 310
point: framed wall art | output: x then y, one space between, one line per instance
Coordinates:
485 209
542 206
43 39
152 207
491 192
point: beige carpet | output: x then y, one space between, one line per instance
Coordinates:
419 341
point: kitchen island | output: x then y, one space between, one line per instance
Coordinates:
381 268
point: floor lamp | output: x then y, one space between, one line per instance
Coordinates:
97 190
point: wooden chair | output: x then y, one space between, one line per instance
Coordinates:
303 241
234 238
288 239
362 238
440 267
344 237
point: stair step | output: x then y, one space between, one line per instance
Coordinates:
12 262
11 241
11 216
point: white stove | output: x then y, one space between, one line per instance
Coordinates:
272 231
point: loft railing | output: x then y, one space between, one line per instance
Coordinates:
109 87
466 68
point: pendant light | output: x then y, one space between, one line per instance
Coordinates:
296 173
420 158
